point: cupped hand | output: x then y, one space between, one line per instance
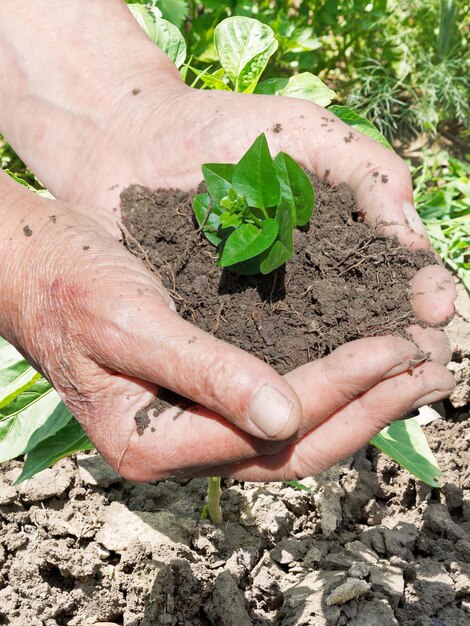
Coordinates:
112 335
102 329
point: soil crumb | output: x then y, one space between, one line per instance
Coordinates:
27 231
166 400
344 282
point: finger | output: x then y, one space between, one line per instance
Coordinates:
433 342
349 428
434 293
165 448
348 372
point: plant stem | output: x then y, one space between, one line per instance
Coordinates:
214 492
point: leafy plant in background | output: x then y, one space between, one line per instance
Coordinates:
33 420
442 197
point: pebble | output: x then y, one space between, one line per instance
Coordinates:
351 588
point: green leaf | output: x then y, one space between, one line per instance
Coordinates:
283 248
244 46
295 187
162 32
218 177
248 241
297 485
405 442
175 11
169 39
304 85
214 81
254 176
31 417
209 223
68 440
228 220
16 374
145 16
359 123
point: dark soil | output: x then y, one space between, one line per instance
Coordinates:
343 283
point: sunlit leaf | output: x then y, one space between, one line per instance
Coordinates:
254 176
16 374
66 441
34 415
244 46
248 241
359 123
162 32
405 442
295 187
304 85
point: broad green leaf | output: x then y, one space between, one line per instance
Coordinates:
405 442
255 176
32 416
145 16
16 374
162 32
283 248
359 123
295 187
170 40
218 177
175 11
68 440
248 241
304 85
209 223
244 46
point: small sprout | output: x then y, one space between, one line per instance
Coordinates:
252 208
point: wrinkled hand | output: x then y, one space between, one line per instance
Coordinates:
102 329
107 326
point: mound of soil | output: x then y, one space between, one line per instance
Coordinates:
344 281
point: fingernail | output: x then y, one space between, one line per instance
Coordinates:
413 219
270 410
433 396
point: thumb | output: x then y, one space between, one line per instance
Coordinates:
154 343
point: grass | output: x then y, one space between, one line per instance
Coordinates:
442 198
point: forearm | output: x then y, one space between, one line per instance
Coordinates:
63 49
65 61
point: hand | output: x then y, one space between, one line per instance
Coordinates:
161 123
102 329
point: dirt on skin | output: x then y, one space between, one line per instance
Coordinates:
344 281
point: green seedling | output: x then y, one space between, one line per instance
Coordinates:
252 208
